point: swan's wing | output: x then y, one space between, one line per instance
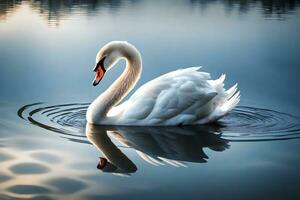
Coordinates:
173 95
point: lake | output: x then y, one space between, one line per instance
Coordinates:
47 55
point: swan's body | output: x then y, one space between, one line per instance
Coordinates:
182 97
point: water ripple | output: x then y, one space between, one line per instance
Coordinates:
241 124
255 124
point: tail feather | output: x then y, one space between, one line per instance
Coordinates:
218 86
224 101
231 102
222 78
219 83
231 91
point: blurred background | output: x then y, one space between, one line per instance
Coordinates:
47 54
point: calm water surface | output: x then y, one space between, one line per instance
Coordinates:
47 52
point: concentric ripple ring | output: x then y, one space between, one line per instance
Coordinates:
241 124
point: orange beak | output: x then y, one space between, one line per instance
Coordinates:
99 75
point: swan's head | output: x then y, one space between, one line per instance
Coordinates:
109 55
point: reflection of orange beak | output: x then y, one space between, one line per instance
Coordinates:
102 163
99 75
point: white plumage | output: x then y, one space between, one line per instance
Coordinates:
182 97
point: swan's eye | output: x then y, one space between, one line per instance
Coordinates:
99 64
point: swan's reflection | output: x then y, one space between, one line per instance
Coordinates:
155 145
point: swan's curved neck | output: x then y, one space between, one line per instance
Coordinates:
119 89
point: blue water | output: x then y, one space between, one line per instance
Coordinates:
47 53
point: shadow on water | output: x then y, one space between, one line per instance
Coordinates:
55 11
155 145
161 145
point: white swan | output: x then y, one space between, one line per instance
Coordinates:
181 97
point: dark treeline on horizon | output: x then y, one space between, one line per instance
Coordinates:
269 7
55 10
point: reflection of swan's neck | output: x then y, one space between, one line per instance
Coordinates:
121 87
97 135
